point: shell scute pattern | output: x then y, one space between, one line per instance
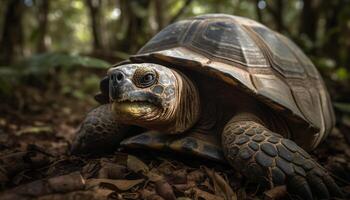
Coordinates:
250 56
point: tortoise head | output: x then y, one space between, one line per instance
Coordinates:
154 97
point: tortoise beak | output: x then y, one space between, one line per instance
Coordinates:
116 79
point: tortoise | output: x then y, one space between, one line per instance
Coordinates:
225 88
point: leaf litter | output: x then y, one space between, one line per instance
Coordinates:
35 163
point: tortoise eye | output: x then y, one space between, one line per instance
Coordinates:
144 77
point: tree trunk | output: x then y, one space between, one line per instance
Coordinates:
44 6
134 24
309 19
159 8
277 14
94 7
258 12
11 46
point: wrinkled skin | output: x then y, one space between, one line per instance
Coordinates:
168 102
158 105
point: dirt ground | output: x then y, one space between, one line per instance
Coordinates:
35 163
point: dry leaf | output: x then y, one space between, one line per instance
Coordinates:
183 198
67 183
35 130
178 177
122 185
154 176
86 195
150 195
204 195
112 171
221 187
165 190
275 193
136 165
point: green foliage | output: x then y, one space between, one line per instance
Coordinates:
8 78
79 85
41 68
123 26
43 63
343 107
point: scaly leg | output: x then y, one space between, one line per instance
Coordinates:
99 132
266 157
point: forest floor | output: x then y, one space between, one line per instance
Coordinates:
35 161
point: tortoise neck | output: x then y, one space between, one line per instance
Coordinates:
187 107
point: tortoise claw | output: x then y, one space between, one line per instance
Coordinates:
317 186
281 160
332 187
297 185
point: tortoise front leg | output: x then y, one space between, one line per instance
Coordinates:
266 157
99 132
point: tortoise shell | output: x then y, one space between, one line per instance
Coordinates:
252 57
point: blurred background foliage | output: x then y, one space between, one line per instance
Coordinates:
65 45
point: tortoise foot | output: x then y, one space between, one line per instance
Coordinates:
266 157
98 133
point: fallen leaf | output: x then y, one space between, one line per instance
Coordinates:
275 193
177 177
112 171
154 176
150 195
183 198
200 194
95 194
35 130
165 190
122 185
67 183
221 187
64 183
136 165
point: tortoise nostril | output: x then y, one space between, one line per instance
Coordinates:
113 77
119 76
